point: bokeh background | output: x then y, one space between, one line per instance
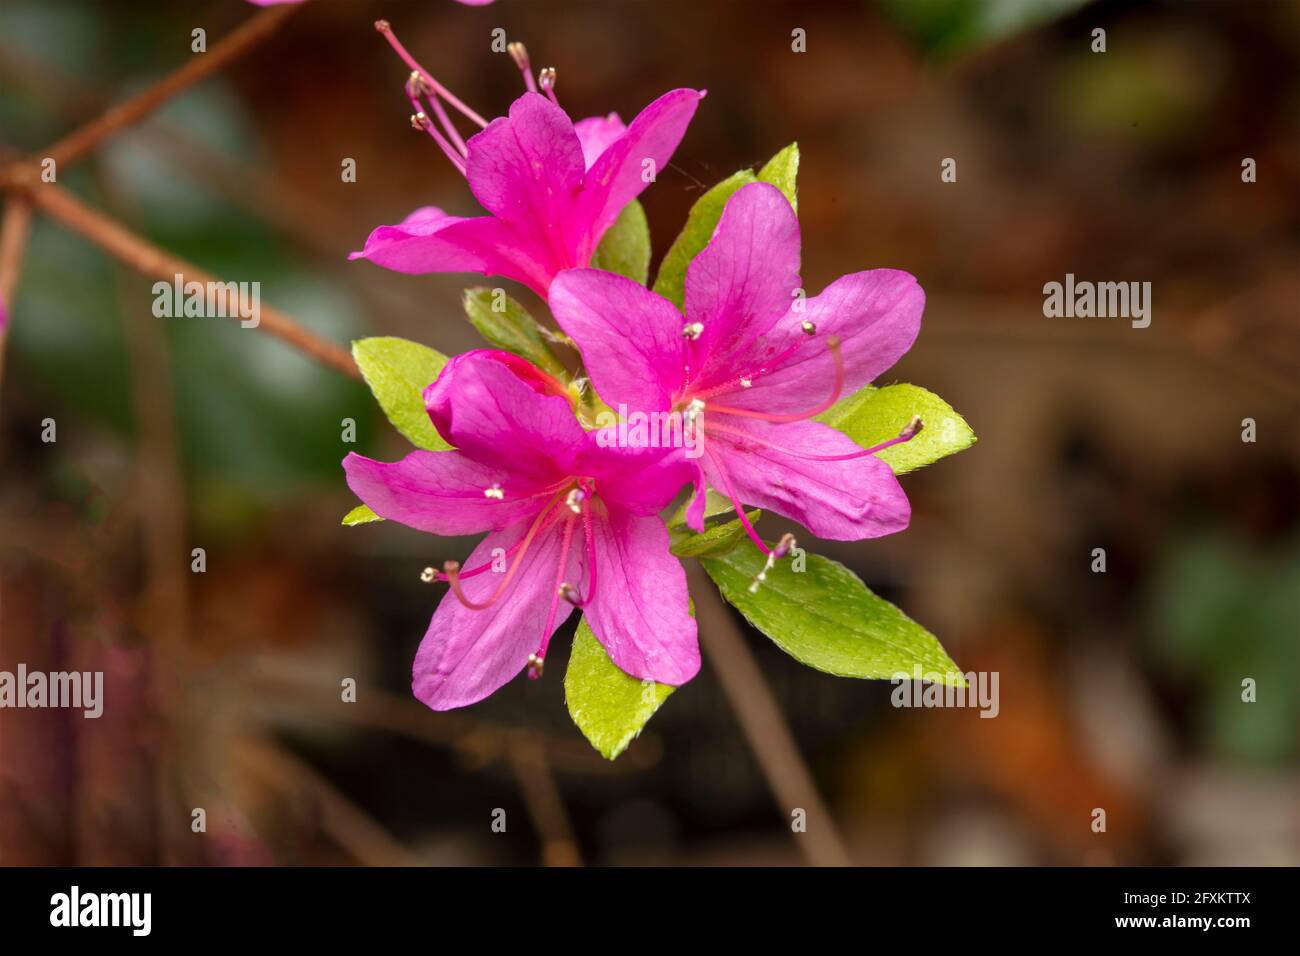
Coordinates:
1119 690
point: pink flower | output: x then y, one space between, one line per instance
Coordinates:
563 515
552 186
752 362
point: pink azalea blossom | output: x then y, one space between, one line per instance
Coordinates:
751 363
575 524
552 186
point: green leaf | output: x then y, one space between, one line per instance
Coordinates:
361 514
509 326
398 371
716 540
782 171
609 706
825 617
874 415
703 218
625 247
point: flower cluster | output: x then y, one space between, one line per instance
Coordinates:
737 358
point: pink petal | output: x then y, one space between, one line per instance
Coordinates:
483 406
876 315
641 608
527 169
468 654
630 338
428 240
617 177
597 134
743 281
638 479
837 500
442 492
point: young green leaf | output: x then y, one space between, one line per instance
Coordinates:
509 326
781 171
609 706
825 617
397 372
361 514
625 247
874 415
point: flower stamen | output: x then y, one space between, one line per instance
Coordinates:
783 547
907 434
546 79
832 343
451 569
385 28
537 661
735 502
519 53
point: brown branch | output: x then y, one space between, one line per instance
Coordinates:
766 729
13 243
149 260
544 802
345 822
83 140
477 740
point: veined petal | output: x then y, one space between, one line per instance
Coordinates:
630 338
443 492
642 480
597 134
429 240
527 170
838 500
467 654
743 282
481 404
641 610
876 315
618 175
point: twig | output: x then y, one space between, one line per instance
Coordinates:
149 260
345 822
81 141
766 729
13 242
477 739
545 804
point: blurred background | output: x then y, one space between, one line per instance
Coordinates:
1119 690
